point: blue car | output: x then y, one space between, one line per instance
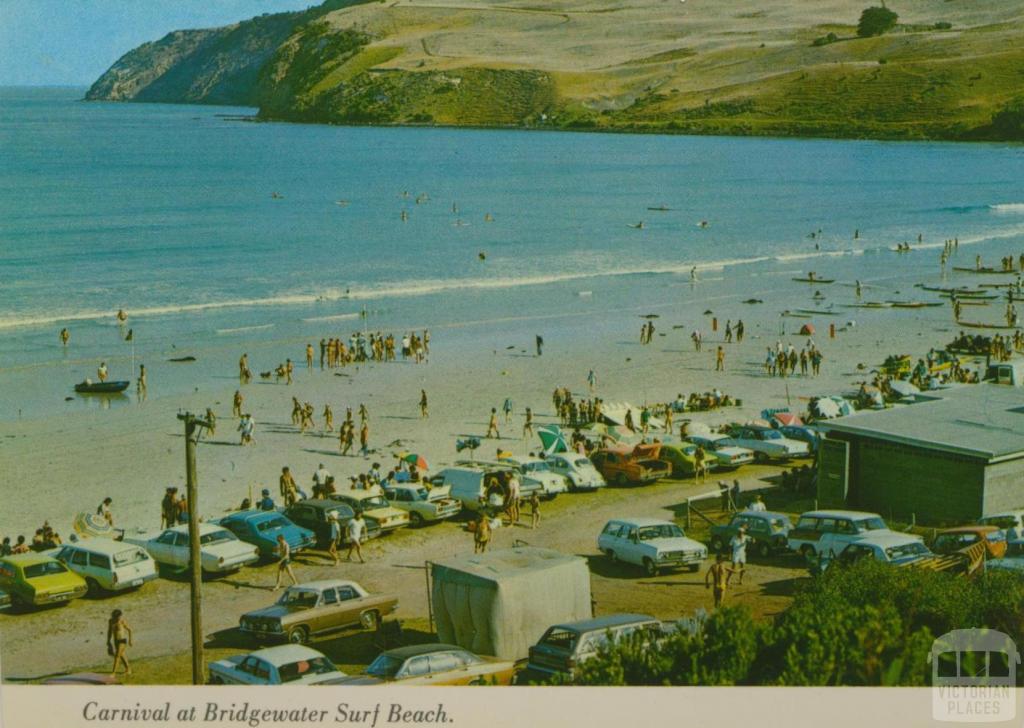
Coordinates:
261 528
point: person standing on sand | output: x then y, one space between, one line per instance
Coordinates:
168 515
424 413
534 510
65 335
236 405
140 384
717 579
364 414
591 380
482 535
332 548
284 552
738 544
739 331
668 418
104 511
119 639
720 360
728 332
211 422
539 341
528 424
645 419
328 418
700 470
247 426
323 352
355 529
506 407
309 357
101 372
243 369
492 425
364 439
289 489
288 369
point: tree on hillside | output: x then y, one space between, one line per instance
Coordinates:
875 21
1008 122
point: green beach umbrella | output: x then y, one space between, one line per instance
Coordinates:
552 439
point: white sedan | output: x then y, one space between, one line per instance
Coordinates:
767 444
284 664
220 550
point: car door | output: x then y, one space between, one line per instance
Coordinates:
160 548
327 613
629 548
79 562
609 538
180 550
244 673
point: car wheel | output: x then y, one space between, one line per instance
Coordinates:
611 556
807 551
299 636
764 549
369 620
650 567
620 480
415 519
550 496
717 544
94 589
760 457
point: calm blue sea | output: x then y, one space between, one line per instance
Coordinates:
213 232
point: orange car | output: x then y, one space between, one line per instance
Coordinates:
623 465
953 540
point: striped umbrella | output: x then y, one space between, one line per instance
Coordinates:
552 438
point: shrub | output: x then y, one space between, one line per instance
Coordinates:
942 25
875 21
825 39
1008 122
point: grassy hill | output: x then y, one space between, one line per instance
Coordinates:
694 66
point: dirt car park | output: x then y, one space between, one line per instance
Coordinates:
159 612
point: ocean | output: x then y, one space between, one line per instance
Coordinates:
218 235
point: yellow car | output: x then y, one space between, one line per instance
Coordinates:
372 503
35 579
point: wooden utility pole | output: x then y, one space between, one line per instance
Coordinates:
192 424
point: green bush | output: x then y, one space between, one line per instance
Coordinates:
1008 122
825 39
875 21
942 25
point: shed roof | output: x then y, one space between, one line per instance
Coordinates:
502 565
981 420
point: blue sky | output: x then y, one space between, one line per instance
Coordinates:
72 42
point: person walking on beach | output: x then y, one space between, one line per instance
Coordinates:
424 413
288 369
534 510
700 466
528 424
140 384
364 439
335 536
119 639
323 352
717 579
728 332
720 360
211 422
236 405
247 426
506 407
168 516
539 341
739 331
696 340
482 534
284 565
492 425
309 357
591 380
738 544
355 530
101 372
645 419
328 418
65 335
244 375
289 489
364 414
345 437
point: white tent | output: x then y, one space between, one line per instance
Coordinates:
500 603
615 412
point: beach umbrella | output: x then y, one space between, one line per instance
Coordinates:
91 524
807 330
787 419
845 408
552 438
827 408
418 460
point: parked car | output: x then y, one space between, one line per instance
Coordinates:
898 549
767 531
952 540
37 580
423 504
1010 522
803 433
434 664
824 532
373 504
308 610
468 483
564 647
5 600
767 443
1012 560
650 543
681 457
536 471
220 551
285 664
106 564
261 529
314 514
728 457
577 469
624 465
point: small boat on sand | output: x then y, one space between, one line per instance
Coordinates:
975 325
915 304
996 271
88 387
815 280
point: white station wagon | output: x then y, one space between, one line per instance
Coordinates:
219 550
281 665
650 543
106 564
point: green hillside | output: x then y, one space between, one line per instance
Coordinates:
945 70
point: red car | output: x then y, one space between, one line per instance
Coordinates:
624 465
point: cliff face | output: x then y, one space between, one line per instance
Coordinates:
946 71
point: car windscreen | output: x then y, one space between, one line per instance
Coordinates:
664 530
34 571
298 598
271 524
581 463
374 501
908 549
216 537
536 467
871 524
129 557
297 670
948 542
385 666
560 638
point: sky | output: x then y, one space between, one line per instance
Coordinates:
72 42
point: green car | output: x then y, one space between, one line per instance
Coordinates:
36 580
680 457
